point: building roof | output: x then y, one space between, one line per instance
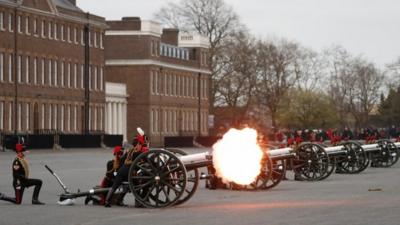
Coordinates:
66 5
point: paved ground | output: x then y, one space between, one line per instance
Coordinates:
341 199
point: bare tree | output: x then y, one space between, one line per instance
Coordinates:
311 66
340 82
278 71
368 83
211 18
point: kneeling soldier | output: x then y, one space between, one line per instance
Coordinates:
20 169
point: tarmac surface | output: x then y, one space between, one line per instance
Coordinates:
372 197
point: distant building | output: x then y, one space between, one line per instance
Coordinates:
44 68
166 74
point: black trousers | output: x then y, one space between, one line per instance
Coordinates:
122 176
20 185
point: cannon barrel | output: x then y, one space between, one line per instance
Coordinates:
196 160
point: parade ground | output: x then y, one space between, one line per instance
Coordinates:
371 197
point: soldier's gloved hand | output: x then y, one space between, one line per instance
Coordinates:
115 173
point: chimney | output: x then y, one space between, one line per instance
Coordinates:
170 36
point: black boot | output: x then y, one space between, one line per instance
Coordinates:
37 202
36 191
6 198
109 197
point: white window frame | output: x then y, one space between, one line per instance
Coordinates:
50 31
95 78
42 29
75 35
55 30
42 71
2 66
82 77
35 31
2 21
69 34
69 74
27 26
35 70
19 115
101 78
49 108
19 27
49 72
27 116
62 118
62 74
62 32
10 22
75 75
55 73
27 59
19 65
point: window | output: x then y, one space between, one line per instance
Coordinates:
90 78
101 79
69 34
55 31
95 118
1 67
2 21
42 116
95 78
35 71
42 73
62 118
69 74
10 22
55 73
35 31
27 25
90 39
55 119
19 27
27 116
75 75
62 74
75 36
49 73
95 39
68 128
49 116
19 59
101 41
42 29
75 119
49 31
62 32
19 116
82 37
1 115
82 76
27 80
10 64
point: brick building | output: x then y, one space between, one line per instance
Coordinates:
166 74
51 65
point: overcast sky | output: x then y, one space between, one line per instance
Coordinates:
367 27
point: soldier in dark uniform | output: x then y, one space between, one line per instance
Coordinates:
139 146
111 170
20 169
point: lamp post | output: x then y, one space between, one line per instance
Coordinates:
199 105
19 2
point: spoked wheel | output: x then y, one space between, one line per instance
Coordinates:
356 159
278 173
311 162
192 176
157 179
331 167
264 176
388 155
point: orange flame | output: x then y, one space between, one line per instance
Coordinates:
237 156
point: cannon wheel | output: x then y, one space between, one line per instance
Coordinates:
192 182
388 155
157 179
356 159
311 162
278 173
265 174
